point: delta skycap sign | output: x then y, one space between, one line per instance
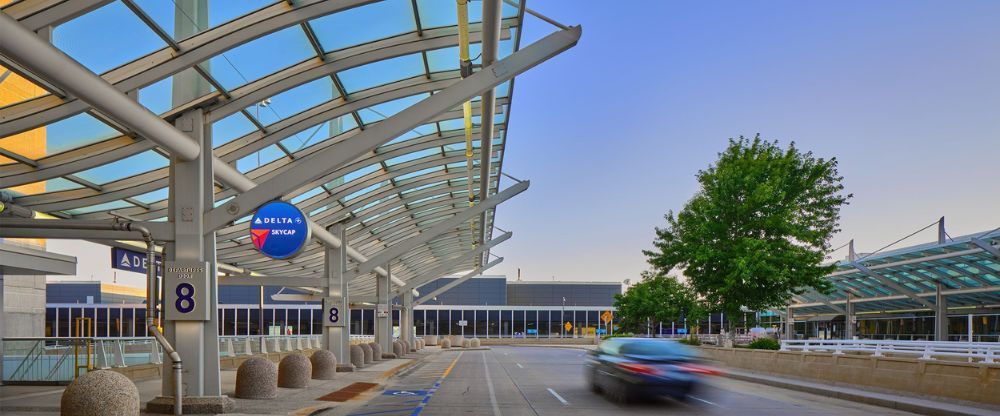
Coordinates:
279 230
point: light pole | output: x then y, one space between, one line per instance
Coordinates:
562 328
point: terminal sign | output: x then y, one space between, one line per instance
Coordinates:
186 292
279 230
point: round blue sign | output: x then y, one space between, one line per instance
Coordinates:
279 230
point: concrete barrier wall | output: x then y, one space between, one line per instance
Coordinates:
973 382
538 341
153 371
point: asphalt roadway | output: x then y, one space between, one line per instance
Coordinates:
518 381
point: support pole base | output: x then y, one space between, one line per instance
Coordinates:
192 405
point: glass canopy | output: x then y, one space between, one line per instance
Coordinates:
278 81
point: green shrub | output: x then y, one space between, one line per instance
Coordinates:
619 335
690 340
765 343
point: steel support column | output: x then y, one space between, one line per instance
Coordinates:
491 39
789 324
337 339
940 315
850 321
383 324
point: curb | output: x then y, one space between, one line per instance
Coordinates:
908 404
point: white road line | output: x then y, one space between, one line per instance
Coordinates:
489 383
557 396
519 365
702 400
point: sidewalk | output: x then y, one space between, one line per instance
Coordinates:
44 400
892 401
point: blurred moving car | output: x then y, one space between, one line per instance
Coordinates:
625 369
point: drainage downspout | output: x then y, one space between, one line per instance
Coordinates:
150 287
151 312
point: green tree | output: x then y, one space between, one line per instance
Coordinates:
757 231
657 298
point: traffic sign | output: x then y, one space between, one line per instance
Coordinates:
606 316
279 230
568 326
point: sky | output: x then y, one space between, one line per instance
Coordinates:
611 133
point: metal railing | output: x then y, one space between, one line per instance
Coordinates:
54 360
985 352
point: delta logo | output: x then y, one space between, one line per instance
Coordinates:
259 236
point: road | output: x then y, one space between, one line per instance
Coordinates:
517 381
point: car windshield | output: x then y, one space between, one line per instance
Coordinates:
656 348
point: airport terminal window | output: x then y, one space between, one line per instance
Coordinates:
506 318
432 322
555 324
418 323
457 316
518 325
368 322
493 318
531 324
481 326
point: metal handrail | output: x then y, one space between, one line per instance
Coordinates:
987 352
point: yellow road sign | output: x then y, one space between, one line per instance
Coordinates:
606 316
568 326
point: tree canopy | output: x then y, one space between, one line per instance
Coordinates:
657 298
757 231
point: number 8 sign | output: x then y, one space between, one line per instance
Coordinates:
332 315
185 288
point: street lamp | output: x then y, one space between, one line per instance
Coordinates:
562 328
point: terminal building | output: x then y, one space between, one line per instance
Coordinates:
485 306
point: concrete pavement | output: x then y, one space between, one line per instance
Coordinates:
549 381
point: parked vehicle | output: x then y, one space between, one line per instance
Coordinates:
625 369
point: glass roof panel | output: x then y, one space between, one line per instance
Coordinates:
77 131
121 169
446 59
390 108
165 12
411 156
308 194
104 27
381 72
100 207
155 196
229 128
362 172
294 101
417 132
258 159
260 57
157 97
384 19
320 132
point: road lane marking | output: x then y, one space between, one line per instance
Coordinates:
702 400
489 383
557 396
519 365
437 385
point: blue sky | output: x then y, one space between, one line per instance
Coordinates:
904 93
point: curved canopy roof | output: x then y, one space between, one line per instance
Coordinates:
279 82
906 279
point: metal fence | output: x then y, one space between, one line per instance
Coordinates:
928 350
54 360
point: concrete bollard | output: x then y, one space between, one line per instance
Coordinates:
324 365
431 339
257 378
294 371
367 349
476 343
466 343
376 352
397 348
445 343
407 346
98 393
357 356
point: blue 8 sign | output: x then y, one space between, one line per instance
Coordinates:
334 315
331 311
185 298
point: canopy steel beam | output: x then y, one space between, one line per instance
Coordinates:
491 39
987 247
457 282
318 164
448 265
895 286
37 15
311 282
442 227
71 229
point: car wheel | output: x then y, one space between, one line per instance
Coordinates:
619 392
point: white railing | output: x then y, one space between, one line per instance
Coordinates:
987 352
